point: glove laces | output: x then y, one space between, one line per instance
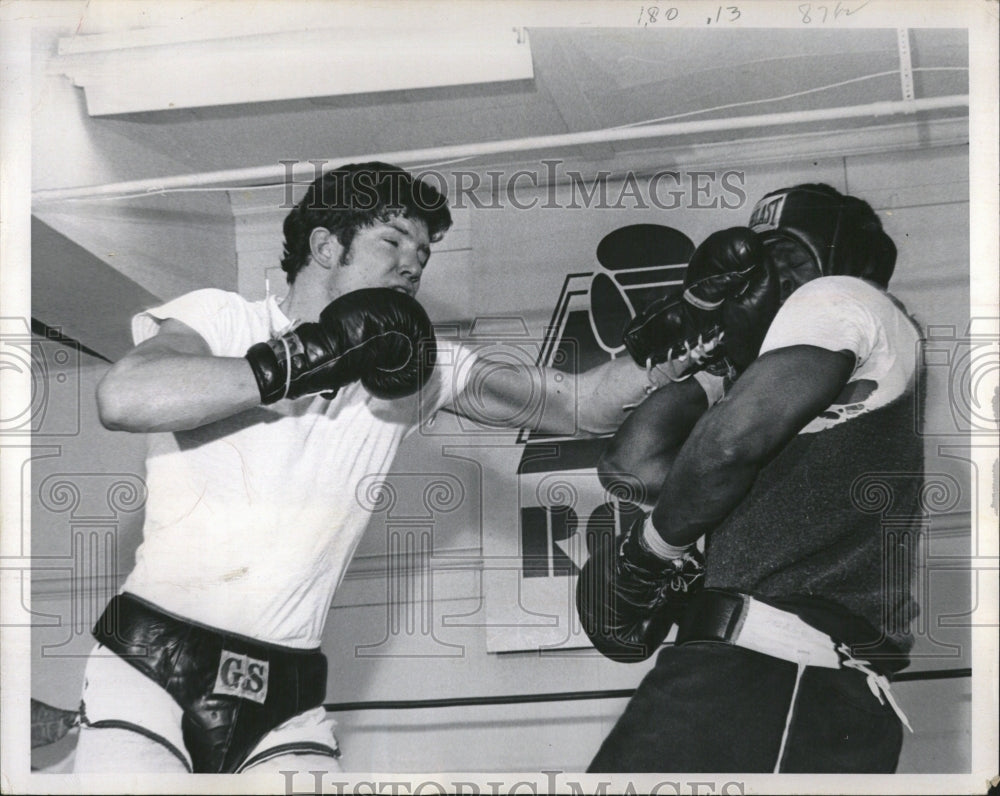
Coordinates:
674 368
687 572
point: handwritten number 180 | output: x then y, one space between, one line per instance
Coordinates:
653 14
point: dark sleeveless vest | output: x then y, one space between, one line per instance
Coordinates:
832 523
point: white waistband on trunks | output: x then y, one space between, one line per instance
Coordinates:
782 634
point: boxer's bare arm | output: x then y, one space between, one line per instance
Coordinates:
643 450
172 382
591 403
608 393
770 403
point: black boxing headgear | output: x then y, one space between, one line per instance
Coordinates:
842 234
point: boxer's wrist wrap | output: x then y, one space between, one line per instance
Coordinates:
283 350
627 598
274 363
233 689
651 540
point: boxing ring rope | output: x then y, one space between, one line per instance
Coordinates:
280 173
49 724
569 696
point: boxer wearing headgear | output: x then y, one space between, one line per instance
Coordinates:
264 419
793 625
737 278
814 224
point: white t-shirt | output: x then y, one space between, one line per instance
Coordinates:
251 521
844 313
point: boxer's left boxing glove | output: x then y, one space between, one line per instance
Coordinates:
376 335
729 291
670 330
627 598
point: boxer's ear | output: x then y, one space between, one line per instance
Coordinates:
324 247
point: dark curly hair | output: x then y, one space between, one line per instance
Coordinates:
355 196
862 212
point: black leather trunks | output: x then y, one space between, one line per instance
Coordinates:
233 690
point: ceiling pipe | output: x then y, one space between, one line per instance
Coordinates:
280 173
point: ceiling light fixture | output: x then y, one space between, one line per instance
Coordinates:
139 71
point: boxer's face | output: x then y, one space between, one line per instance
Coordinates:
389 254
795 266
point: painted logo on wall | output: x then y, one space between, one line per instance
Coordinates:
563 507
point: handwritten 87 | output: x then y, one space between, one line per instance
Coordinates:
808 9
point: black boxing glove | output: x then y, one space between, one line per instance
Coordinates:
376 335
732 278
627 598
729 298
668 330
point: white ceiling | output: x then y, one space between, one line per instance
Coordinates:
585 79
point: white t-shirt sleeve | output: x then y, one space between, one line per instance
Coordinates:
213 314
842 313
832 313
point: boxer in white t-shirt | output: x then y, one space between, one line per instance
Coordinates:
263 418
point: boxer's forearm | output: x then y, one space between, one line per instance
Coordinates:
598 401
770 403
514 395
719 462
700 492
172 382
175 392
644 448
607 394
592 403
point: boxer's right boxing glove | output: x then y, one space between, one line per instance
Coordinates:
376 335
627 598
732 278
